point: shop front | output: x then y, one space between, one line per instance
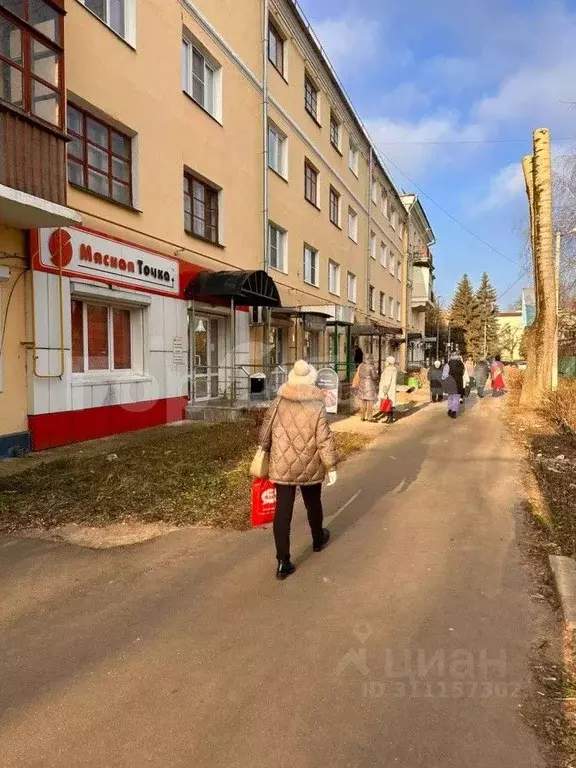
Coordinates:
109 348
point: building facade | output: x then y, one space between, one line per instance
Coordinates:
219 141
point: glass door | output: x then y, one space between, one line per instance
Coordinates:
206 356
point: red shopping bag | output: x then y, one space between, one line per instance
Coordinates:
263 502
385 405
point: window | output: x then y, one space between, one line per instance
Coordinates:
310 266
399 269
311 98
310 183
372 245
374 192
372 298
334 207
32 60
351 287
391 263
398 311
383 202
394 218
335 129
201 78
353 158
333 277
383 255
116 14
277 147
391 306
104 336
277 248
200 209
276 48
352 225
382 303
99 157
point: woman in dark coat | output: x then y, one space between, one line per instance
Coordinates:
367 387
435 379
453 383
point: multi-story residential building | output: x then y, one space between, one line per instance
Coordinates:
32 193
235 216
418 282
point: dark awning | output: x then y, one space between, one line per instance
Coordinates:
248 289
373 330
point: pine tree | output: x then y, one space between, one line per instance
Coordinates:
466 320
488 308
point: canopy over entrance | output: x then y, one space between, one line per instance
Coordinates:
248 289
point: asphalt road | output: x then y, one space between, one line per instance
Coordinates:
405 642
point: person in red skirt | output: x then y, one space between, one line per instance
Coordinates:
497 374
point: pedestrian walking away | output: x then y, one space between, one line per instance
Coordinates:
481 376
367 387
435 379
497 374
302 452
388 387
469 381
453 383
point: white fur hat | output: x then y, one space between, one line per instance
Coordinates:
302 373
390 360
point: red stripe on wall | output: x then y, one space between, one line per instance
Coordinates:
49 430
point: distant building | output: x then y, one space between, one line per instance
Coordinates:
511 328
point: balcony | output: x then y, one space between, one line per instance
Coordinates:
422 293
32 128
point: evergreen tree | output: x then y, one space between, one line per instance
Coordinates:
435 324
467 330
486 298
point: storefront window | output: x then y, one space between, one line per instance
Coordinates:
102 337
277 346
311 346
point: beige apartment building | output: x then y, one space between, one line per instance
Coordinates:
224 213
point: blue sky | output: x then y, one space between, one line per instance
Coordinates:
455 73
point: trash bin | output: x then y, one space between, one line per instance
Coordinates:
257 386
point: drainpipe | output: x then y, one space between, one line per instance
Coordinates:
407 273
265 23
369 259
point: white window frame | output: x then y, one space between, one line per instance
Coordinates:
190 45
338 145
372 298
374 192
352 225
399 269
333 278
398 311
394 219
373 245
353 157
312 253
383 254
391 262
382 303
129 35
391 307
281 168
281 248
384 202
352 287
138 335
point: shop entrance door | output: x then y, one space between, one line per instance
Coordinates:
205 372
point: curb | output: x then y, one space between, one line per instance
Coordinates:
564 572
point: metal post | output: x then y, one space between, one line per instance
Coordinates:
555 362
449 333
233 338
438 334
486 336
349 353
267 367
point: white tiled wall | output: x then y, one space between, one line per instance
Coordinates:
165 318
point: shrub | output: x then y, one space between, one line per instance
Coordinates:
561 404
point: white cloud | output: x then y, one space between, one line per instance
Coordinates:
348 38
505 187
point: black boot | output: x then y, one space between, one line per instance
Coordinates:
318 547
285 569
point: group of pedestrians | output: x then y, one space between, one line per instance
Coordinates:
371 389
457 378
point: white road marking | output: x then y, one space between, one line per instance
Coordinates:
344 506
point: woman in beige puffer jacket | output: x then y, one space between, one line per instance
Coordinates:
302 450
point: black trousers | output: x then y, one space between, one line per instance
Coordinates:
285 496
437 394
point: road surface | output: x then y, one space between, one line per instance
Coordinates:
405 642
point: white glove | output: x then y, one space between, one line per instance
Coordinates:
332 477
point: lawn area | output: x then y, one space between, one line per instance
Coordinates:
178 476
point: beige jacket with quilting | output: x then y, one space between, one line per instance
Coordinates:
301 444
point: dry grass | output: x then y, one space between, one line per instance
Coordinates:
179 478
561 405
